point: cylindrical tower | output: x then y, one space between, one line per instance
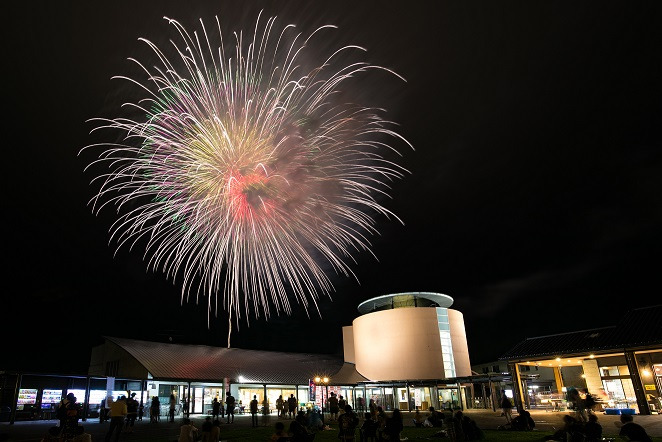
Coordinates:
407 336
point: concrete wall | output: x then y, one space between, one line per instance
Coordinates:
128 366
459 341
348 344
398 344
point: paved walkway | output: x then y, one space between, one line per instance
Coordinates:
32 431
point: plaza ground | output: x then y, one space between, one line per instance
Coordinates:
241 430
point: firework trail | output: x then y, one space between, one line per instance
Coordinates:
242 171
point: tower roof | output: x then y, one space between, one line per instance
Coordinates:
406 299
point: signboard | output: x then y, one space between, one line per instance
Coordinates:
27 396
51 396
311 390
650 387
417 397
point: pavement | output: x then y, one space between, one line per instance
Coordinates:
33 431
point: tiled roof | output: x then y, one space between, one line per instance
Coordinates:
638 328
206 363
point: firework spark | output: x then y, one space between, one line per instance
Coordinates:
243 173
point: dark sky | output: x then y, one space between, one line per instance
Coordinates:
534 198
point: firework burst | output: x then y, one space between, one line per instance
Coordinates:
243 173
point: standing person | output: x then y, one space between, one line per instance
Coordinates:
381 422
368 430
253 409
118 412
102 411
507 407
266 412
215 408
61 412
393 426
229 405
589 402
155 410
341 402
132 412
347 423
173 407
222 407
73 411
280 404
141 410
292 406
361 403
577 404
333 406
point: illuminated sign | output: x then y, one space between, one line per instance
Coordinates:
649 387
51 396
27 396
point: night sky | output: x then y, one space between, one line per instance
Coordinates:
534 199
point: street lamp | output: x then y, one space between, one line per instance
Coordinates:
323 381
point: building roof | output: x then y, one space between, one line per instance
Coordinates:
639 327
212 364
407 299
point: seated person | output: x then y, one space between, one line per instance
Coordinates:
435 419
570 427
592 429
633 431
523 422
418 418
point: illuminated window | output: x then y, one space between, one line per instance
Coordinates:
446 344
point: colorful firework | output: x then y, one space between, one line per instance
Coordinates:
244 173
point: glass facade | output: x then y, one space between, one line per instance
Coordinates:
446 344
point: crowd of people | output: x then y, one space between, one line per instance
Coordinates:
376 425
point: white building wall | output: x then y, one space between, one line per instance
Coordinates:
460 346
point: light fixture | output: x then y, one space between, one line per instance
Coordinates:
558 359
317 379
646 372
591 356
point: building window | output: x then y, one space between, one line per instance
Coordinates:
496 369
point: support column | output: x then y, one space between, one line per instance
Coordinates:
518 395
558 379
635 376
408 394
187 410
12 417
86 403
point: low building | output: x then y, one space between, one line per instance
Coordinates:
405 350
620 364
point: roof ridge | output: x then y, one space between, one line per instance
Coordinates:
571 332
